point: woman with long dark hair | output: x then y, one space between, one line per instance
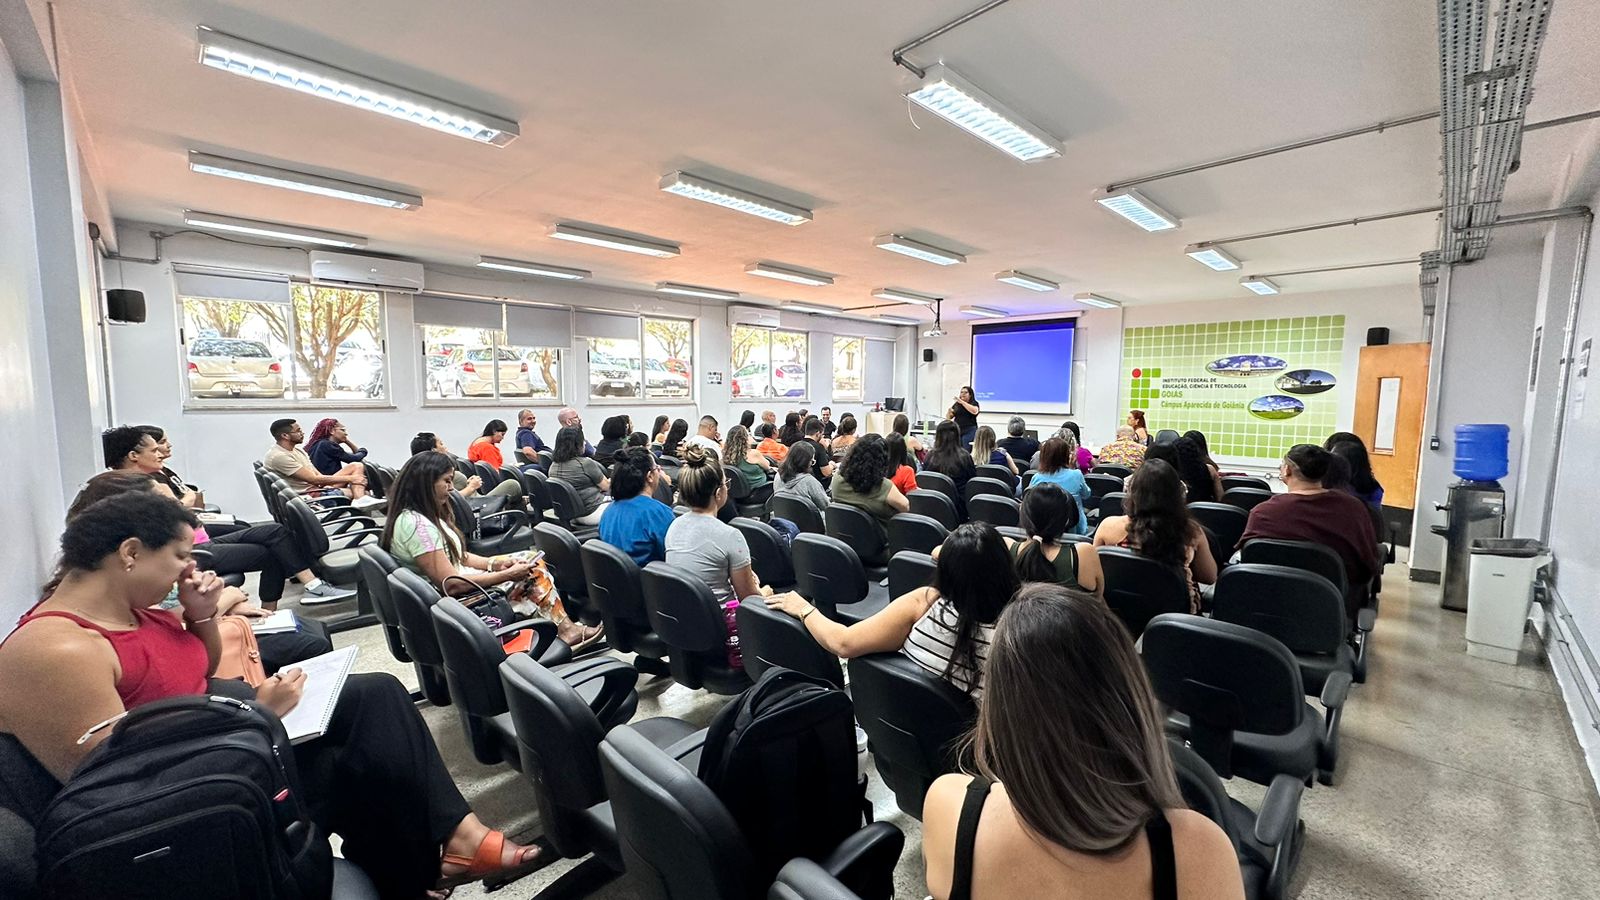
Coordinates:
944 628
790 433
1200 443
795 478
584 474
1202 483
1048 512
673 445
486 447
964 413
1363 483
96 649
613 434
899 469
658 431
1157 526
949 458
862 481
1057 466
1071 791
902 427
421 534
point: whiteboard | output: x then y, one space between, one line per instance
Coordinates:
952 378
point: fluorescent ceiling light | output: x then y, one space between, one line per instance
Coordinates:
899 296
1096 301
256 173
1137 208
532 268
917 250
1031 282
659 249
814 310
1212 257
689 290
1263 286
985 312
899 320
768 270
308 76
273 230
948 95
696 188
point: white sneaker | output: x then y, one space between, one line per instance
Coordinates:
366 502
325 593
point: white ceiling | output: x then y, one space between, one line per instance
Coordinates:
800 101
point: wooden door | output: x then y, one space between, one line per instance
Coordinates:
1394 382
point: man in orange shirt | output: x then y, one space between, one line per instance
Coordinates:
769 445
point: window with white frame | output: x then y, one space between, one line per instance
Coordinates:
476 351
648 358
849 369
253 339
768 363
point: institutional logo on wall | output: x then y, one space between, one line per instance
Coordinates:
1255 388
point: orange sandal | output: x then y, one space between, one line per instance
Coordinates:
487 862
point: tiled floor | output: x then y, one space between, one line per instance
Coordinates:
1459 778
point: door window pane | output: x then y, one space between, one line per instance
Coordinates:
849 368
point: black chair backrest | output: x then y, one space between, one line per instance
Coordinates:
827 572
559 738
772 637
1166 436
860 530
998 473
938 481
375 564
1111 469
303 525
1203 790
913 719
491 476
996 511
768 556
686 616
676 837
802 879
560 548
1224 520
663 490
565 501
738 485
1138 589
1027 478
466 518
910 531
546 457
536 485
1101 484
1246 498
1225 678
937 506
1311 557
616 591
1302 609
977 486
1245 481
1111 504
801 513
464 466
472 657
909 570
413 599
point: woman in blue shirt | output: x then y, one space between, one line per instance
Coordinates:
636 522
1058 465
324 447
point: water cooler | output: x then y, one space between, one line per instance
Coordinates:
1476 507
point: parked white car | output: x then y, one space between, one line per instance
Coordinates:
753 380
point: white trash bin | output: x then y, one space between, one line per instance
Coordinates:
1500 593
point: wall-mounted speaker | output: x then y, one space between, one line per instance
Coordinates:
1377 337
927 355
124 305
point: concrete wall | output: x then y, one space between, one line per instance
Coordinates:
213 447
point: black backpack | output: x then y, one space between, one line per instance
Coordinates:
189 797
782 759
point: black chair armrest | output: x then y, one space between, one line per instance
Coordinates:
544 647
804 878
1335 690
617 690
864 862
337 527
688 746
357 537
1280 811
326 503
1366 618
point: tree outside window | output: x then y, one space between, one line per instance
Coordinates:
849 364
768 363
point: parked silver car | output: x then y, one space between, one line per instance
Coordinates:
233 367
468 372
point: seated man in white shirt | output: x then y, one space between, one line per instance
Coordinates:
287 459
708 436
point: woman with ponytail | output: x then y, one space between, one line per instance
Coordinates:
1048 512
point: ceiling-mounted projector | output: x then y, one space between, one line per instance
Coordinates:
934 332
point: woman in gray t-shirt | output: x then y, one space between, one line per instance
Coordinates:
584 474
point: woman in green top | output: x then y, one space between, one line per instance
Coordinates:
1048 512
738 452
860 482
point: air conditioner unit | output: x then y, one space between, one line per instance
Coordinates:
753 316
368 272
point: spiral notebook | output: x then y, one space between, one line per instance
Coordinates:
325 676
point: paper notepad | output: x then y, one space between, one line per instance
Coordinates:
325 676
280 622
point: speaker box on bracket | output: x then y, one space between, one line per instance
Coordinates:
1377 337
927 355
124 305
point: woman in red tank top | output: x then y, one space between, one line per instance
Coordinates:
93 649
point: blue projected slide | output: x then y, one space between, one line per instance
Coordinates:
1025 367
